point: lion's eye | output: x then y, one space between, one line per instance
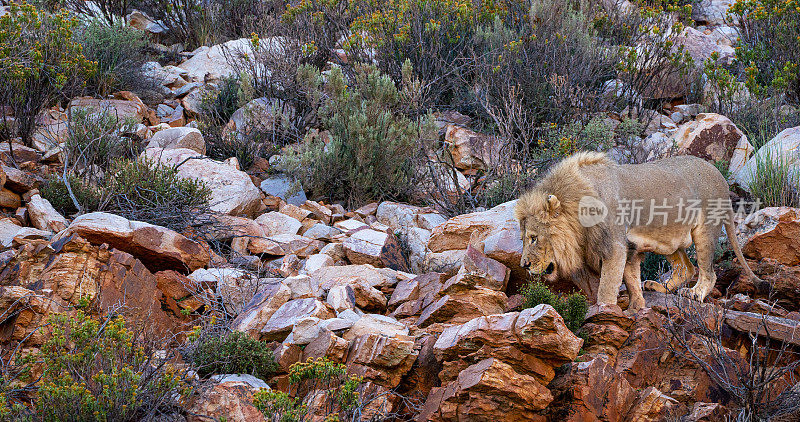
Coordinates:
533 240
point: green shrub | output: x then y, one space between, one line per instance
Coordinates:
95 371
39 61
142 190
119 51
217 107
55 191
775 180
340 396
572 307
767 50
95 141
372 142
232 353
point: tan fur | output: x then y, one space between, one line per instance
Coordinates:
553 235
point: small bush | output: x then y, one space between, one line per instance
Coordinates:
232 353
572 307
95 371
119 51
369 156
39 61
95 141
147 191
767 49
217 107
321 376
775 180
56 192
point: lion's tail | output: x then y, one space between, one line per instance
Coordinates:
731 230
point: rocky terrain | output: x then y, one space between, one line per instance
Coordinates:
428 309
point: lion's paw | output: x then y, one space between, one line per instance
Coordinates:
654 286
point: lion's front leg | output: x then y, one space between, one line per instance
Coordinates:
611 273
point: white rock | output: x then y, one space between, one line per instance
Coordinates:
178 137
43 216
232 191
275 223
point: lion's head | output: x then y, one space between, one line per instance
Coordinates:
538 254
553 239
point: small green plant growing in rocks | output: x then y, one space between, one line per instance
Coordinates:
55 191
101 371
572 307
143 190
774 180
232 353
309 379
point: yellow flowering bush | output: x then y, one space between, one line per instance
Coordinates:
340 393
768 50
39 61
101 371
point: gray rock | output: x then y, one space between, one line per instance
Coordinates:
285 188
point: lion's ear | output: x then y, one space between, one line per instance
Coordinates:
553 205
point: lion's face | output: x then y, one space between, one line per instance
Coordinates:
537 250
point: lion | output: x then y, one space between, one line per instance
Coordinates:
589 215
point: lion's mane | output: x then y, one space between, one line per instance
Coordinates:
575 247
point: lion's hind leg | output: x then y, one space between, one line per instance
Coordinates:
704 237
682 272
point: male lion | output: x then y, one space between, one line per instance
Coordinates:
591 215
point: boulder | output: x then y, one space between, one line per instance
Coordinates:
343 275
652 405
230 400
459 231
326 344
257 116
590 388
533 341
122 109
471 150
781 150
483 392
258 311
374 247
232 191
701 45
774 233
178 137
285 244
275 223
10 232
55 277
43 216
283 320
711 12
715 138
376 324
284 187
142 22
19 181
382 358
157 247
211 64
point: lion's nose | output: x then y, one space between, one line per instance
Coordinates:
524 264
